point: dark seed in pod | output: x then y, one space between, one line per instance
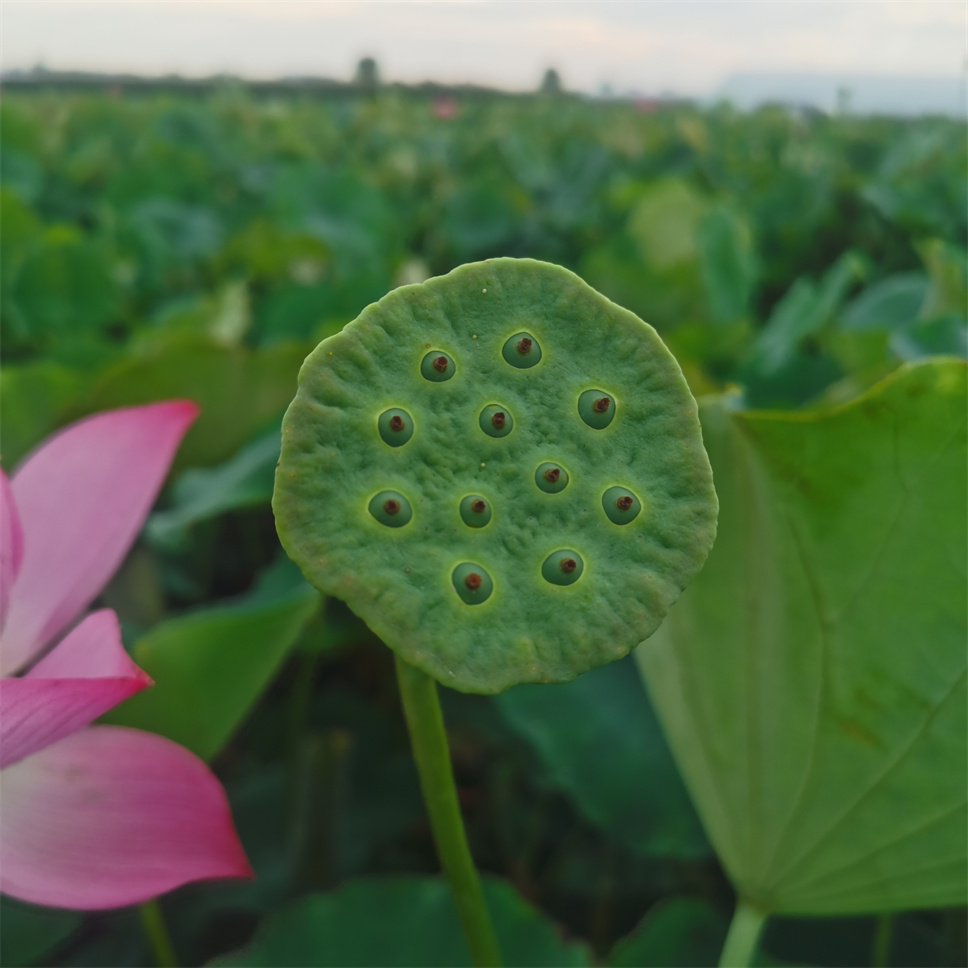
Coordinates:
391 506
499 419
597 408
473 581
478 507
440 364
550 478
524 346
568 565
621 505
396 423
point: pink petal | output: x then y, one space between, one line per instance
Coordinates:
112 816
82 497
11 544
87 674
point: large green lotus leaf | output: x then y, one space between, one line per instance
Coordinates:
32 933
812 680
402 921
211 666
65 287
239 390
555 576
684 931
34 400
601 744
243 481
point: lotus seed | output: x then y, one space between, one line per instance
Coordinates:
396 427
437 367
551 478
472 583
562 567
596 408
391 508
522 351
621 505
495 421
475 511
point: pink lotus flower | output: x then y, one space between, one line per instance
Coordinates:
92 816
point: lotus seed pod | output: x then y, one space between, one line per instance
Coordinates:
410 584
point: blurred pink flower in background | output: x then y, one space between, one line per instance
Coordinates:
91 816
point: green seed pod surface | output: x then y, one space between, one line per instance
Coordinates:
402 581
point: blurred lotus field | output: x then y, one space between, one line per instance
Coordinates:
170 246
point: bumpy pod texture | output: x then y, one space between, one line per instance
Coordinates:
474 606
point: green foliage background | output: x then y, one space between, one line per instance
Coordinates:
161 246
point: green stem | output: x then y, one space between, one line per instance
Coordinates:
425 722
881 948
744 932
158 939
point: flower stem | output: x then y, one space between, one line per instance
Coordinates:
744 932
425 722
154 925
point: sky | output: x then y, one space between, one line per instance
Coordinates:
687 47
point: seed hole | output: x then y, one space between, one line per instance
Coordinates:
391 508
562 567
437 367
472 583
521 351
495 421
395 426
596 408
475 512
551 478
621 505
